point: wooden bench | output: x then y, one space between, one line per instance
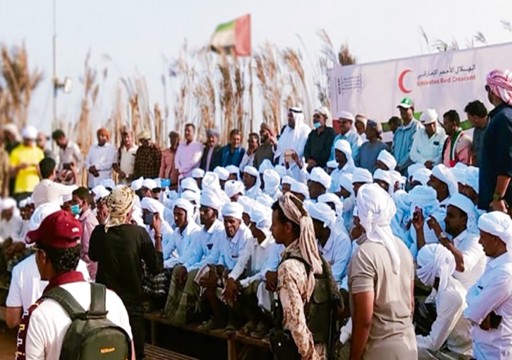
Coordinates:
153 352
237 344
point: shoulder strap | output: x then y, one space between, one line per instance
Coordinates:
67 301
98 299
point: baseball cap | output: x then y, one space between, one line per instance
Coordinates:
60 230
144 135
428 116
406 103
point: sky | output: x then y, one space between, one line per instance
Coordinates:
140 37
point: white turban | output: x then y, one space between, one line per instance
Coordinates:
425 198
464 204
210 199
233 187
444 174
388 159
233 209
331 198
147 183
262 218
247 204
332 164
265 200
344 146
191 196
265 165
413 168
321 212
153 206
471 178
25 202
223 173
233 170
422 176
251 170
383 175
362 175
375 210
29 132
197 173
346 181
137 184
185 205
281 170
8 203
287 180
189 183
498 224
434 260
320 176
100 192
397 178
210 181
271 179
300 188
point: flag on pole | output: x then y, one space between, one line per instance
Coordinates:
233 37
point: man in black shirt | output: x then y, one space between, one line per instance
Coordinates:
318 146
119 247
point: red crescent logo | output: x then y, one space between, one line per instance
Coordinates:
401 81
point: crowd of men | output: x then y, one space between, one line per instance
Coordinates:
329 235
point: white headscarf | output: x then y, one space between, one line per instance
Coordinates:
321 212
344 146
154 206
221 172
187 206
320 176
434 260
466 205
425 198
388 159
498 224
300 188
332 198
422 175
251 170
271 179
293 138
444 175
376 209
362 175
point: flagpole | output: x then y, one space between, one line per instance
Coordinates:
251 123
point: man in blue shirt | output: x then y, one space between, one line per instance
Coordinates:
348 132
404 135
233 153
496 151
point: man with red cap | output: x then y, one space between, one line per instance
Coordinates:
44 325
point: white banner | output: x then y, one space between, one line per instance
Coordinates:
443 81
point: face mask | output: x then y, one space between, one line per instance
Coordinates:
317 125
75 209
148 219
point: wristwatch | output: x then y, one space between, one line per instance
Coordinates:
443 236
498 197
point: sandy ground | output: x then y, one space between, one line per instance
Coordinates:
7 343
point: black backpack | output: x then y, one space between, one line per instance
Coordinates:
91 335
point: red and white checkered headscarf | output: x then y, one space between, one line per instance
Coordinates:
500 84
